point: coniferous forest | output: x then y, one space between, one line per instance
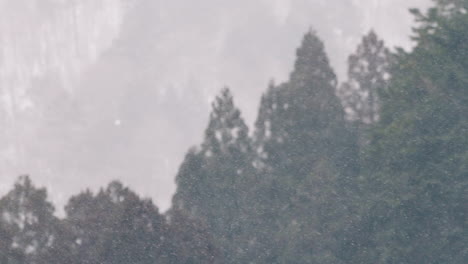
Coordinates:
370 170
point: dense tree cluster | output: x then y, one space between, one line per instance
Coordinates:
370 171
112 226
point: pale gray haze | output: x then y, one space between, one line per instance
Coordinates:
96 90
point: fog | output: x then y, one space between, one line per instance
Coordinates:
95 90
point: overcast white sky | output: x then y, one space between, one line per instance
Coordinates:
95 90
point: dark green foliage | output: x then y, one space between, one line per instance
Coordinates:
211 180
304 189
302 121
368 74
190 241
306 160
8 253
27 223
302 148
416 174
115 226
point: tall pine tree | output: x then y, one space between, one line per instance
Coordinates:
368 74
28 218
302 121
115 226
416 173
306 156
211 180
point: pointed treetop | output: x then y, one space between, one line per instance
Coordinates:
226 126
312 62
371 56
368 73
222 103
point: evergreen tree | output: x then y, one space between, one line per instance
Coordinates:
302 121
115 226
8 253
304 148
211 181
368 73
28 222
415 174
190 241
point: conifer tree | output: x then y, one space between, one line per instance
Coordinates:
303 119
212 180
190 241
28 218
115 226
305 151
415 173
8 253
368 73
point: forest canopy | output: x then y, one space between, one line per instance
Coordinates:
370 170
